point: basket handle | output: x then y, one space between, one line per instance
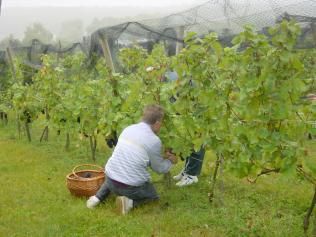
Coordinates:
87 165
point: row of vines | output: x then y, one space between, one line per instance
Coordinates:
245 102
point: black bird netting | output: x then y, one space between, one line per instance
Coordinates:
225 17
32 54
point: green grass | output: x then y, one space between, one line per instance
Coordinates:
34 200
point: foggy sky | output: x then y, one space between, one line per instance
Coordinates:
16 15
34 3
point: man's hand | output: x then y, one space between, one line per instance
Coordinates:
172 157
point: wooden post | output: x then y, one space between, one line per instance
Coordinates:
106 52
180 35
93 146
213 181
313 26
309 212
18 125
59 52
167 179
10 60
28 132
67 141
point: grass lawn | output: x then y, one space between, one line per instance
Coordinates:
34 200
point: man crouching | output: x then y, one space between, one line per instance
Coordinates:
127 174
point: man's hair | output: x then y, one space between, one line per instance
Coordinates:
152 114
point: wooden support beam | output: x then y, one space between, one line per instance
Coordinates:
10 60
313 26
180 35
106 52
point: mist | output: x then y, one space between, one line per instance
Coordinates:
15 20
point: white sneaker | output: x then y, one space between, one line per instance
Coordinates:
92 202
179 176
187 180
124 204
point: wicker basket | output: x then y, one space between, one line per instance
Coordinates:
85 183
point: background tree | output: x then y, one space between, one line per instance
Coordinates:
71 31
37 31
9 40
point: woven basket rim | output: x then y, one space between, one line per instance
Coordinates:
86 179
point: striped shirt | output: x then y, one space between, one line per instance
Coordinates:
137 149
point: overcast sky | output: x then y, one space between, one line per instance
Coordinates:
15 18
32 3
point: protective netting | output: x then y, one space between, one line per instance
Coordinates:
226 17
231 15
31 55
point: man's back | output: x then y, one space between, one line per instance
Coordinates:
137 148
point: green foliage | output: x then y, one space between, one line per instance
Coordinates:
22 97
132 58
270 133
244 101
4 86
